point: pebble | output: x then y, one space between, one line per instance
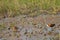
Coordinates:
31 31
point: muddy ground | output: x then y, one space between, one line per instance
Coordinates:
30 28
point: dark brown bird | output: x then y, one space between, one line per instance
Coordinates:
51 25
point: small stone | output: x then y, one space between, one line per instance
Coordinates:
31 32
18 36
44 34
25 33
49 33
4 17
8 28
10 35
0 37
59 25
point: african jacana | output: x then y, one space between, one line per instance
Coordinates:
50 25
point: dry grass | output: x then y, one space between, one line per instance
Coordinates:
2 26
10 8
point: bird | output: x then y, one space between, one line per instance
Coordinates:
50 25
15 29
